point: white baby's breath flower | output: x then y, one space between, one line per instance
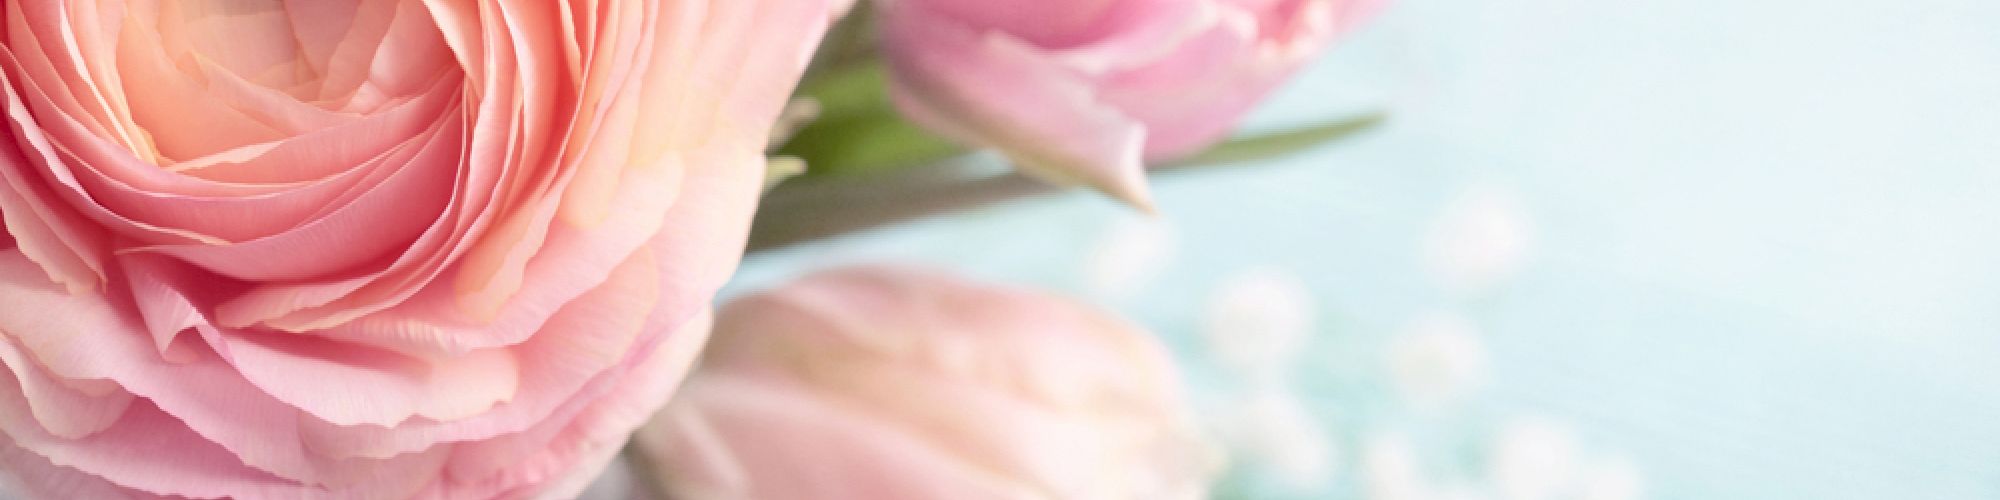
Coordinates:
1611 479
1130 254
1390 470
1482 238
1276 431
1533 459
1257 322
1438 360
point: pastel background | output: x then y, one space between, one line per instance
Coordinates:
1701 249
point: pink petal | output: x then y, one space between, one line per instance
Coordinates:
56 238
380 221
728 437
84 337
570 447
992 89
64 408
34 476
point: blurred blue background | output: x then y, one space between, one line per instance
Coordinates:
1602 250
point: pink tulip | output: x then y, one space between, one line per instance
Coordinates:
1088 91
368 249
885 384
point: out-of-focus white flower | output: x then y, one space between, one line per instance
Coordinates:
1438 359
1482 238
1273 429
1128 256
1389 469
1258 321
1533 459
1611 479
1460 492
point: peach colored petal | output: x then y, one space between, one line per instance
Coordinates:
49 49
380 221
390 49
67 249
692 232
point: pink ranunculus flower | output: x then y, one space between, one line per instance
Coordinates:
369 249
1087 91
890 384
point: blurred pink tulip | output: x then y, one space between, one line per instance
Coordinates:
876 384
1087 91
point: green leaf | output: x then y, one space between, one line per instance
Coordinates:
1276 144
859 130
853 38
859 86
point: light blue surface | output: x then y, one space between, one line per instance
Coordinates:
1765 238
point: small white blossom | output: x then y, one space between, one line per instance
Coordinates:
1274 430
1533 460
1482 238
1611 479
1258 321
1390 470
1438 360
1129 255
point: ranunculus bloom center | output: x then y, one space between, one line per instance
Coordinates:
217 32
204 81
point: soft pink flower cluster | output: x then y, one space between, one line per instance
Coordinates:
384 249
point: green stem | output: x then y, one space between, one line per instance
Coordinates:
810 208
